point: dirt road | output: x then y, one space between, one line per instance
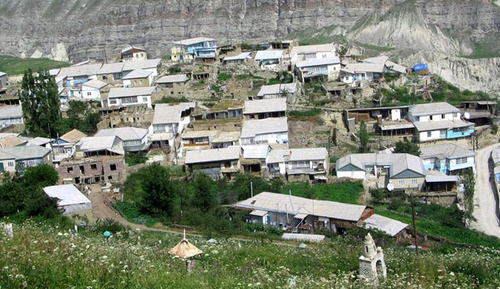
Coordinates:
485 205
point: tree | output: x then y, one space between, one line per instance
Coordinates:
159 194
408 148
204 192
42 175
40 102
82 116
364 138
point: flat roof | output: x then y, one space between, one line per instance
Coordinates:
191 41
265 105
212 155
173 78
440 124
117 92
67 195
254 127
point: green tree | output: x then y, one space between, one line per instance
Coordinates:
204 192
40 102
42 175
159 194
82 116
364 138
408 148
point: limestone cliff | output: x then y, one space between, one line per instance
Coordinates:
76 30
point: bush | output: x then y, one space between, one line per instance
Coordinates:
171 99
494 129
133 159
378 195
102 225
224 76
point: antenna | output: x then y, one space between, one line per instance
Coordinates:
251 189
184 234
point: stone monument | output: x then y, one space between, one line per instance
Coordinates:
372 263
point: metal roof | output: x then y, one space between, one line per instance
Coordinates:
439 177
98 143
131 47
26 152
258 213
360 67
11 141
138 73
397 162
255 127
144 64
318 62
440 124
432 108
73 136
495 155
173 78
264 105
80 70
192 41
387 225
227 136
378 59
109 68
241 56
305 154
396 67
277 156
170 113
94 83
304 49
117 92
277 89
199 133
213 155
269 54
255 151
67 195
446 150
10 111
282 203
124 133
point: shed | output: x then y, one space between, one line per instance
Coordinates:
70 199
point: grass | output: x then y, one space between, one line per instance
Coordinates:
316 36
339 192
224 76
42 256
374 47
133 159
173 99
305 113
15 65
133 215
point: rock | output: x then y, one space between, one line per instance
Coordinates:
212 241
302 246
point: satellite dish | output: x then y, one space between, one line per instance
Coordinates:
467 115
390 186
461 188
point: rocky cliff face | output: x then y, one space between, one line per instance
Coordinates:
76 30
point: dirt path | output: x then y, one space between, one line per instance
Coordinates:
484 199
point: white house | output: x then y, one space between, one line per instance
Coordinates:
285 90
133 53
264 131
128 96
305 161
192 48
147 64
79 73
310 52
69 198
448 158
25 156
91 90
358 71
65 146
168 121
99 145
215 162
436 121
138 77
10 115
134 139
264 108
269 59
323 68
7 163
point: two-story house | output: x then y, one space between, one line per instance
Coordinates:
310 52
134 139
190 49
448 158
265 108
318 69
169 120
215 162
133 53
438 121
129 96
269 59
264 131
65 146
312 163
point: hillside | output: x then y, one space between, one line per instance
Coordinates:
450 34
42 256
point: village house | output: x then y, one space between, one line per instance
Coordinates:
361 71
303 215
151 65
326 69
198 139
391 227
438 121
391 171
133 53
448 158
173 84
111 72
254 158
269 59
78 73
65 146
225 139
389 66
128 96
264 131
302 164
282 90
169 120
310 52
10 115
91 90
190 49
134 139
265 108
222 110
12 141
138 78
217 163
23 157
69 198
479 112
237 59
39 141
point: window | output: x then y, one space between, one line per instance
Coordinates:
93 167
112 167
414 182
112 101
10 164
132 99
70 170
429 133
144 99
402 182
461 161
443 116
89 93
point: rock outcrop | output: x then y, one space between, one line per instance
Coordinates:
77 30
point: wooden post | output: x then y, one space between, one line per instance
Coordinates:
414 221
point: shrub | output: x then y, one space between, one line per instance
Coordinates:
224 76
102 225
494 129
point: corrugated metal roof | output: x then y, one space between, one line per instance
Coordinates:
397 162
269 54
170 113
192 41
432 108
11 141
255 151
213 155
26 152
67 195
282 203
277 156
94 83
144 64
10 111
131 47
258 213
241 56
303 237
117 92
173 78
304 49
382 59
440 124
73 136
396 67
80 70
277 89
199 133
360 67
439 177
387 225
265 105
305 154
97 143
446 150
109 68
138 73
318 62
255 127
124 133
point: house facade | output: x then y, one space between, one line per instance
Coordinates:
138 78
10 115
169 120
318 69
24 157
264 131
134 139
217 163
449 158
313 163
91 90
133 53
190 49
129 96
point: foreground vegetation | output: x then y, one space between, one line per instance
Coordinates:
17 65
42 256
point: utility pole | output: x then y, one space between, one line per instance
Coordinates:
414 221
